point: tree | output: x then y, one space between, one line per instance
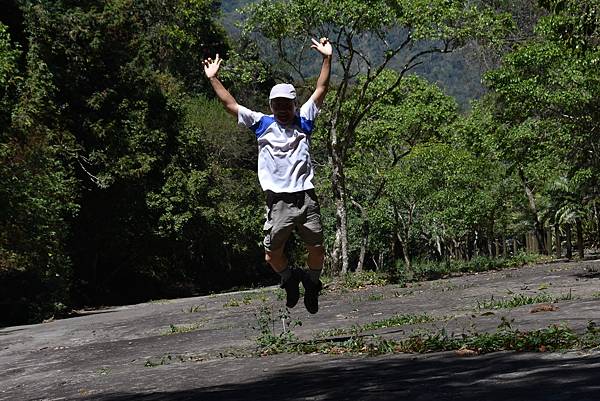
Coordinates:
546 96
413 113
405 30
36 190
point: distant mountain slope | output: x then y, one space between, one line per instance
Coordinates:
458 74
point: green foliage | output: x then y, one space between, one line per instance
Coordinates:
363 279
551 339
428 270
398 320
545 98
36 191
105 160
182 328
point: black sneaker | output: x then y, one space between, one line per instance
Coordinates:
292 290
311 294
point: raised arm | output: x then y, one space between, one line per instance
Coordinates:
211 67
324 47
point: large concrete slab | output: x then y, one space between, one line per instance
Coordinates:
125 353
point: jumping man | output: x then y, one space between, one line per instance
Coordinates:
285 173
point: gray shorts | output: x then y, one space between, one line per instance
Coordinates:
286 211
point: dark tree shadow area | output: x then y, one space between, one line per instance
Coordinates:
494 377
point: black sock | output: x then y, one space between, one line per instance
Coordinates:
314 275
285 274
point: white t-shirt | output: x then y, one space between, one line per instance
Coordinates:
284 163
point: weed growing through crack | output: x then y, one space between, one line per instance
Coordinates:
195 309
167 359
271 339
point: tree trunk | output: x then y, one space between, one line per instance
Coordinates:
504 250
557 240
405 252
340 252
568 240
597 225
496 247
579 229
537 222
364 236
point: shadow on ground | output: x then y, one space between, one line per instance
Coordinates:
504 376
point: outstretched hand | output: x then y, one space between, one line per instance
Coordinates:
323 46
211 67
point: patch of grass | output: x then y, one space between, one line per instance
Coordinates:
364 279
394 321
178 329
161 301
167 359
398 320
522 299
544 286
338 332
280 294
551 339
430 270
232 303
375 297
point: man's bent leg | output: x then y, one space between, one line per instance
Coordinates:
290 278
276 259
316 257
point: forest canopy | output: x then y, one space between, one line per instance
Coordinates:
453 130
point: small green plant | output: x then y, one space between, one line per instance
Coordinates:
280 294
195 309
103 371
271 340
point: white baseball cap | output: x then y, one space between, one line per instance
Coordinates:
283 90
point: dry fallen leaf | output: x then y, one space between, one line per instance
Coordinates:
466 352
544 308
